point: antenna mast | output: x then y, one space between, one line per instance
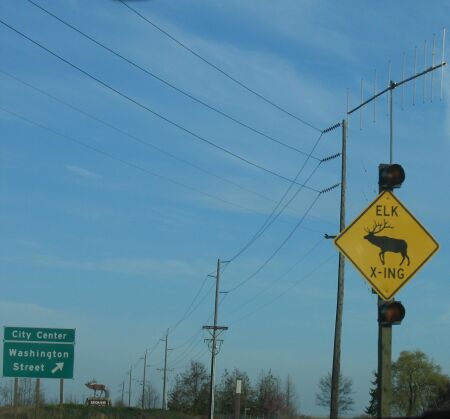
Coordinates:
384 390
393 85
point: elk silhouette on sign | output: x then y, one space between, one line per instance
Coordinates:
386 244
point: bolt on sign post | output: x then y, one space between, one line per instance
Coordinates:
386 244
38 352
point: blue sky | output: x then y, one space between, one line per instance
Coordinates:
114 237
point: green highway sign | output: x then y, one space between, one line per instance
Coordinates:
38 352
38 360
39 334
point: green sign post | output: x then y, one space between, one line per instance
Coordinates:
38 352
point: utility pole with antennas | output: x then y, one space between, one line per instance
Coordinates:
384 390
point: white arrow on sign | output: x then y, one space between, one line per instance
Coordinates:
59 367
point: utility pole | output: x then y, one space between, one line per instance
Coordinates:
164 396
123 390
336 369
143 380
165 370
214 342
129 389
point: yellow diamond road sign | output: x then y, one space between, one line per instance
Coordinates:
386 244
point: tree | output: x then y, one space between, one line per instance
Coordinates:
418 384
323 397
225 394
443 396
191 390
290 398
371 410
6 393
151 397
269 399
26 392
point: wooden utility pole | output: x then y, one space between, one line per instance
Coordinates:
336 370
164 395
129 389
143 380
214 342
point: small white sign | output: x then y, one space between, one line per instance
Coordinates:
238 386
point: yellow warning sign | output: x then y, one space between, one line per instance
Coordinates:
386 244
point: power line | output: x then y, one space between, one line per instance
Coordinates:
169 121
209 318
223 72
120 160
192 347
154 347
263 265
189 341
167 179
104 84
200 354
295 284
133 165
272 217
288 237
138 139
188 311
169 84
202 350
284 274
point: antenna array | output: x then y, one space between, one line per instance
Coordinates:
427 74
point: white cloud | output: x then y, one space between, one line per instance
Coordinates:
298 21
11 306
168 268
84 173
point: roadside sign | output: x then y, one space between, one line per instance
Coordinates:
386 244
98 401
38 352
39 334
